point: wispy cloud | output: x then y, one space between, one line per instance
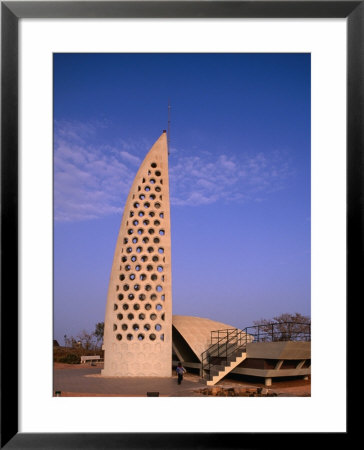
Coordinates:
198 180
92 181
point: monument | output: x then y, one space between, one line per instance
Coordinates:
138 317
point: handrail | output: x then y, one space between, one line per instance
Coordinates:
232 341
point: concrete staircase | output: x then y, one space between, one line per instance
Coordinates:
220 371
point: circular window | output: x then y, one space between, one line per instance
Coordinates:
155 258
129 337
128 267
137 268
140 213
157 205
140 337
134 240
132 276
120 296
142 297
125 240
147 188
118 337
149 267
124 326
125 307
152 337
135 327
139 249
147 327
162 232
123 259
152 181
146 222
130 316
136 306
122 277
143 276
158 307
161 250
144 258
157 189
148 306
133 258
152 196
131 296
128 250
158 327
136 205
159 288
154 165
161 215
140 231
154 277
126 287
156 240
153 297
115 307
160 268
153 316
119 316
142 196
141 316
146 205
150 249
114 327
136 287
151 214
135 222
148 287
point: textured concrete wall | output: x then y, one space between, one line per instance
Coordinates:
279 350
138 318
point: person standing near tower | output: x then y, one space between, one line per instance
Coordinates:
180 371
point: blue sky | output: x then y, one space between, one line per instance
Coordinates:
239 179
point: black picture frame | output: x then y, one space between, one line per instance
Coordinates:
11 12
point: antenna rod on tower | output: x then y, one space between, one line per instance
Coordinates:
169 125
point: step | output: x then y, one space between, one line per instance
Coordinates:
215 377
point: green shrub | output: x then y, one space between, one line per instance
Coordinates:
70 358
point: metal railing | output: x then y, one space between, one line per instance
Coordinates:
227 344
280 331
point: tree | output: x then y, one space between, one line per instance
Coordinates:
86 340
99 333
286 327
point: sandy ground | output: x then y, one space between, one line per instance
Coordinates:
280 386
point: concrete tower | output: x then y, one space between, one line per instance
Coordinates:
138 319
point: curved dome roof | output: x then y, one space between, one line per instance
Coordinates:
197 331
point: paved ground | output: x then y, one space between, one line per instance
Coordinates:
89 381
86 380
